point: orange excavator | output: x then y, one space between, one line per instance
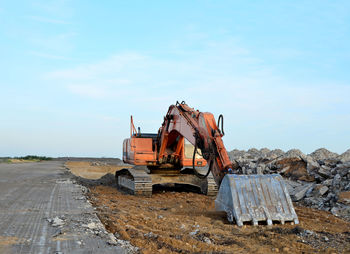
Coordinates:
188 149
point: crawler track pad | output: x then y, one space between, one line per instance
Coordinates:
137 181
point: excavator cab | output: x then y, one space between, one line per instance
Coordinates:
143 149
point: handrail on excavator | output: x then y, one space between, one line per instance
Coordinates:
132 127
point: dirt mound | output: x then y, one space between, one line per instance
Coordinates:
92 170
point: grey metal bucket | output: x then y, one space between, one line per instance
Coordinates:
255 198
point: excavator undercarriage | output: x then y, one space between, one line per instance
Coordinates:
139 181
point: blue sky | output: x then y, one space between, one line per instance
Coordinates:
72 72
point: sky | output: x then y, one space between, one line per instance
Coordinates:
72 72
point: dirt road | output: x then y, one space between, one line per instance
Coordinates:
42 210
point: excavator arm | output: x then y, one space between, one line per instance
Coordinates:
244 198
201 130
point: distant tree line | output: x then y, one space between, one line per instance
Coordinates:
34 157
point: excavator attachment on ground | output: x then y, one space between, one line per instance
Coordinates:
255 198
203 162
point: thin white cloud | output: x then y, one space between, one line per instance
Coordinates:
48 56
108 69
91 91
231 73
57 43
54 8
48 20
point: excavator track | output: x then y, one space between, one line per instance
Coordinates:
135 180
212 189
138 182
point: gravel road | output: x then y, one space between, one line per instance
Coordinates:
43 210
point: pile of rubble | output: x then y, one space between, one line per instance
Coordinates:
319 180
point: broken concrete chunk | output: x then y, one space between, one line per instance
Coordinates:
111 240
336 180
300 192
293 153
264 151
343 169
92 225
327 182
57 222
291 185
325 171
293 168
341 210
150 235
318 191
309 232
344 197
323 154
323 190
194 232
344 157
311 164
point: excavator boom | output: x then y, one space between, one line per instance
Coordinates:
201 130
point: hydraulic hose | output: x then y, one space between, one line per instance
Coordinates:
221 117
194 167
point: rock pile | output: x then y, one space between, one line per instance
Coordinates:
319 180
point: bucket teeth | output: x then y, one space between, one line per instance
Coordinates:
255 198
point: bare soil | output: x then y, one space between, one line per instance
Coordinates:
92 170
20 161
8 240
172 221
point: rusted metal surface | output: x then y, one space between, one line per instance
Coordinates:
255 198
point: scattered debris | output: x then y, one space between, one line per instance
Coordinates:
57 233
151 235
127 246
56 222
193 233
91 225
112 240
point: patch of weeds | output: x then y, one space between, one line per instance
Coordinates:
34 158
